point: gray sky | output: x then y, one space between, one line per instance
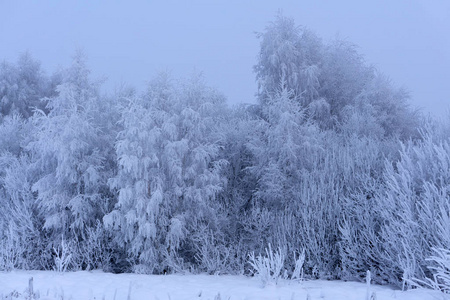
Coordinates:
129 41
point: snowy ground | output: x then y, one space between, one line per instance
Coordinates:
98 285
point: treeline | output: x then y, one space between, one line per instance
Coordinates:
331 161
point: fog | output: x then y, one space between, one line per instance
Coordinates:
128 42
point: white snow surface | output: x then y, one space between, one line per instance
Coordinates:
98 285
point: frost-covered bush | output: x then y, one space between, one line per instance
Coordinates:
20 233
95 251
440 266
62 256
268 268
211 252
358 225
298 268
10 251
414 209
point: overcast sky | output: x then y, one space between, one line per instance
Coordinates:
129 41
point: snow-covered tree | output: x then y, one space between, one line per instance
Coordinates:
23 85
389 108
70 154
344 76
169 172
288 138
291 54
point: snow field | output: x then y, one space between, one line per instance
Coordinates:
98 285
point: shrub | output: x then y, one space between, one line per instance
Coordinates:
268 268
